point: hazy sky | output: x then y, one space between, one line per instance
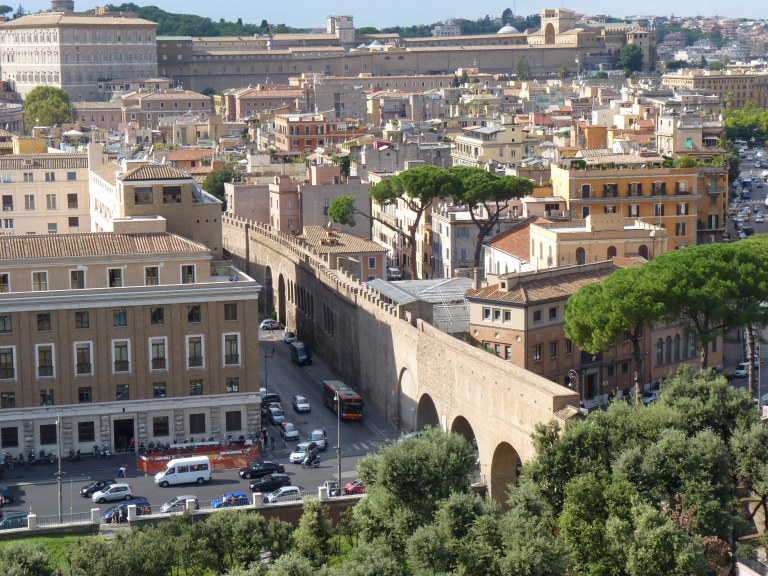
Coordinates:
312 14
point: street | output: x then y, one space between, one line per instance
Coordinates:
35 489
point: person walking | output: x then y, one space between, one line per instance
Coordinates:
122 471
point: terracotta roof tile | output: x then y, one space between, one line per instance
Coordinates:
108 172
341 242
153 172
53 246
181 155
515 241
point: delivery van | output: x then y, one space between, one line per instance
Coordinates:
300 353
185 471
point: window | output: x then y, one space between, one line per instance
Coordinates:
658 209
231 349
537 315
29 201
46 397
120 356
86 431
151 276
44 322
197 423
496 315
552 313
188 274
634 211
72 202
50 201
537 352
486 313
53 228
71 176
157 351
230 311
9 437
568 346
194 351
83 364
47 434
371 263
158 389
681 229
142 195
122 392
659 352
115 277
161 426
233 384
84 394
74 222
171 194
682 209
7 203
193 314
8 400
553 349
6 324
77 279
157 316
39 281
196 387
507 352
5 283
233 421
119 318
50 176
82 320
44 353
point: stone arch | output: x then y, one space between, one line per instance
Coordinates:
549 34
426 413
503 472
269 301
581 256
611 252
281 300
643 251
407 401
462 426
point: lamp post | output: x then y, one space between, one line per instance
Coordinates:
573 377
58 453
338 440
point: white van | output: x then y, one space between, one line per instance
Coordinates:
185 471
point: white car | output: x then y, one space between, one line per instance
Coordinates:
179 503
301 404
300 452
112 493
741 370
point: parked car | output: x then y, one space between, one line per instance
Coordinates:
301 404
119 512
289 431
88 490
13 520
355 487
301 450
259 469
7 494
270 483
759 219
275 415
333 488
270 325
113 492
231 499
319 437
741 370
289 337
179 503
650 397
284 494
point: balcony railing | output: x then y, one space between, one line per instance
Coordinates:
43 371
232 359
6 373
122 366
158 363
195 361
84 368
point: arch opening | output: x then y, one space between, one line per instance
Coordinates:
426 413
505 465
281 317
268 287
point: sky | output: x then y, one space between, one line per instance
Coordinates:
312 14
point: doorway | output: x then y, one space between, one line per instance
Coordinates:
122 433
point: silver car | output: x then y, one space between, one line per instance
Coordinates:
179 503
113 493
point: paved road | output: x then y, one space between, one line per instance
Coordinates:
35 488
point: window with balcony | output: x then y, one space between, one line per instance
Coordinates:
659 189
121 356
195 352
681 187
635 189
610 190
83 362
158 360
231 349
44 353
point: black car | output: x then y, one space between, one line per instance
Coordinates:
269 483
260 469
90 489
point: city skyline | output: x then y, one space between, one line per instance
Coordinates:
401 13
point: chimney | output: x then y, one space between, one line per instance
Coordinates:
477 281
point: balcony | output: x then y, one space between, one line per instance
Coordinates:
195 361
659 191
84 368
158 363
122 366
44 371
232 359
7 373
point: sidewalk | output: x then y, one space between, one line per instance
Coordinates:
88 467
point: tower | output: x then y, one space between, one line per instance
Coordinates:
63 5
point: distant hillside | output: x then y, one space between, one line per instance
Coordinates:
169 24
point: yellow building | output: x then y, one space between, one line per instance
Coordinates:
497 143
740 86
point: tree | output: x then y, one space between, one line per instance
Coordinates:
631 57
413 189
20 12
506 16
523 69
486 196
21 558
47 106
4 9
313 536
750 448
214 182
564 73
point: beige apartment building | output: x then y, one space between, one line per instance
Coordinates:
150 108
44 193
76 51
360 258
123 336
495 144
146 196
739 86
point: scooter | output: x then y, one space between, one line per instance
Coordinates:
314 463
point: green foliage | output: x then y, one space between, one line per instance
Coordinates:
631 57
687 162
564 73
601 75
21 558
691 35
674 65
214 182
523 69
749 122
342 211
5 9
312 538
47 106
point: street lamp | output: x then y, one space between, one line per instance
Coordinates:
573 377
338 440
58 453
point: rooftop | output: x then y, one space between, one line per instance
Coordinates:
335 241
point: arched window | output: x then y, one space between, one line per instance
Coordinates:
581 256
659 352
669 350
611 252
686 345
643 251
677 347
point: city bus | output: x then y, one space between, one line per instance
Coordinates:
349 401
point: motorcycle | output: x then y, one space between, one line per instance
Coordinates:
31 459
313 463
106 453
21 460
96 451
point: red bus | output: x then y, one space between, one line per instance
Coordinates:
349 401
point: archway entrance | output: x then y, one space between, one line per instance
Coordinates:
426 413
462 426
122 433
406 402
268 296
504 465
549 34
281 316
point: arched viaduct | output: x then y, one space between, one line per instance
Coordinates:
411 371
